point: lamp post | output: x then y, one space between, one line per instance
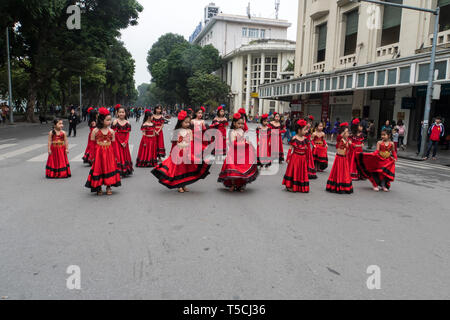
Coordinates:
426 116
11 107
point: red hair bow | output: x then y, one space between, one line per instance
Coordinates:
311 118
220 108
148 111
203 109
345 124
237 116
90 110
182 115
302 123
104 112
117 107
356 121
242 111
265 116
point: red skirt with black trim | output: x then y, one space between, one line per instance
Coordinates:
104 170
180 169
148 153
124 162
376 169
161 149
58 166
320 155
239 168
352 162
340 180
296 177
312 172
89 154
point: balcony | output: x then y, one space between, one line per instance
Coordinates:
319 8
347 61
318 67
387 52
443 39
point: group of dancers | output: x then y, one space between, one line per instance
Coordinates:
108 152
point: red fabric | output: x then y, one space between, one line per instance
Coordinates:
296 177
245 126
240 166
148 149
89 154
104 170
58 166
340 180
436 133
374 167
312 172
161 148
320 153
278 142
263 138
123 155
182 168
355 148
222 127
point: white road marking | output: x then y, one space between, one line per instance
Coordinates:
131 150
7 140
78 158
4 146
43 157
21 151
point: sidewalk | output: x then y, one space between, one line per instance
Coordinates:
443 156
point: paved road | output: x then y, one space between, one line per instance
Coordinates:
147 242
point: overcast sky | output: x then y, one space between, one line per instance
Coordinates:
182 16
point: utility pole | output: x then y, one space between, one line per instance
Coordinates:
11 107
426 116
81 97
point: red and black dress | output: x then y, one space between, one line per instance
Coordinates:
312 172
182 168
221 146
320 153
88 157
379 166
58 166
355 148
340 180
104 170
263 137
296 177
278 143
239 168
148 149
161 148
123 155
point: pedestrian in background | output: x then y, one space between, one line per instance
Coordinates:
73 122
435 133
419 138
395 138
371 134
401 134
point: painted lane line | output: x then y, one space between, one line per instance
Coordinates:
21 151
43 157
4 146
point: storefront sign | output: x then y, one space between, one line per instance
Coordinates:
339 100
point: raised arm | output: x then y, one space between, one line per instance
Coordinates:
50 135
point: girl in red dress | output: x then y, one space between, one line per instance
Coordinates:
312 172
340 180
89 154
296 178
158 120
357 144
148 149
239 168
278 129
104 170
320 151
220 123
263 137
122 128
182 168
379 167
243 114
199 127
58 166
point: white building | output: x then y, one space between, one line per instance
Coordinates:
243 41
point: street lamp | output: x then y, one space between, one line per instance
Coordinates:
426 116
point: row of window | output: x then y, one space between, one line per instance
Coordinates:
387 77
253 33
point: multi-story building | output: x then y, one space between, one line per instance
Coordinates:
366 60
247 44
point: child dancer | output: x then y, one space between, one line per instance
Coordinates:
340 180
296 178
148 149
312 172
278 144
243 114
88 157
320 151
104 170
356 146
199 128
263 137
182 168
58 166
379 167
220 123
122 128
239 168
158 120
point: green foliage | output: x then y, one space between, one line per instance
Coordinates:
207 89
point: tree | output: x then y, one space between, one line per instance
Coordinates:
205 88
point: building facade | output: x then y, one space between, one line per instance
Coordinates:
365 60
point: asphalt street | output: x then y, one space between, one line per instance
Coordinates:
147 242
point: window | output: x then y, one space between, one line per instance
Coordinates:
349 83
444 18
321 84
327 84
244 32
370 79
321 42
341 82
351 32
405 74
361 80
334 84
392 76
263 33
424 69
253 33
392 19
381 77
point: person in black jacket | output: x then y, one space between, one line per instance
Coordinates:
73 121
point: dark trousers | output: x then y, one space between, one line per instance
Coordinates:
432 145
74 128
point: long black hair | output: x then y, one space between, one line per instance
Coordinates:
55 122
92 117
218 112
101 120
158 107
342 129
233 123
355 128
147 115
180 123
126 114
